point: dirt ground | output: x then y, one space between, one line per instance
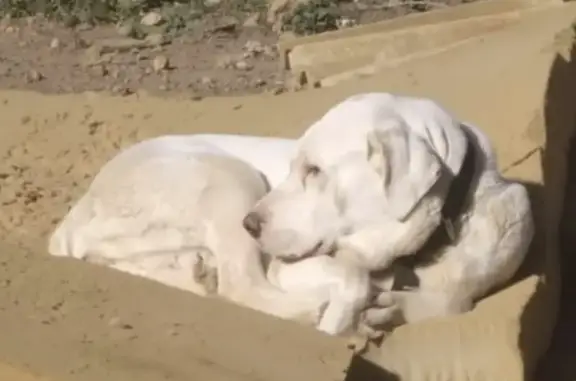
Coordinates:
222 55
46 163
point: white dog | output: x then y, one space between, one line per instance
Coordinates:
171 208
382 178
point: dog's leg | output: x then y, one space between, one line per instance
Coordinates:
417 305
242 280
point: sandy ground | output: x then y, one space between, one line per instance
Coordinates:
78 322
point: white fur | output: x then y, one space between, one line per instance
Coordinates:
369 181
171 206
167 206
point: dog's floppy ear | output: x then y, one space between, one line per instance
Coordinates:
407 165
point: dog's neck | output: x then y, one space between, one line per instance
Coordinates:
457 202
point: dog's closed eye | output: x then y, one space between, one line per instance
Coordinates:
310 172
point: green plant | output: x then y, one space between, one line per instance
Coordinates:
175 13
312 17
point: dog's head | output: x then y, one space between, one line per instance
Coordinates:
369 161
383 173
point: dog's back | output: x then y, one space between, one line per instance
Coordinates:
158 204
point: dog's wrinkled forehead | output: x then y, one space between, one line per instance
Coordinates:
326 153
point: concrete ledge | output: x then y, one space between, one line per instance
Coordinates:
330 62
161 334
476 9
331 57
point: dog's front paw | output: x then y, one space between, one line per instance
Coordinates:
357 343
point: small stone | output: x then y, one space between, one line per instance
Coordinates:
101 70
277 90
92 55
55 43
34 76
212 3
207 81
31 20
115 322
270 51
84 27
243 65
275 9
254 47
160 63
346 22
151 19
227 24
10 29
125 30
224 62
80 43
259 82
252 20
122 90
156 39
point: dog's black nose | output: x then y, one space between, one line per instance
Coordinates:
253 224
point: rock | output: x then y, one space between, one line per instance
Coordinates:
259 82
121 44
157 39
55 43
252 20
254 47
212 3
227 24
101 70
275 9
79 43
207 81
270 51
277 90
84 27
160 63
34 76
122 90
115 322
243 65
31 20
141 56
346 22
126 29
225 62
92 55
151 19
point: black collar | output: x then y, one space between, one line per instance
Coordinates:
448 232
